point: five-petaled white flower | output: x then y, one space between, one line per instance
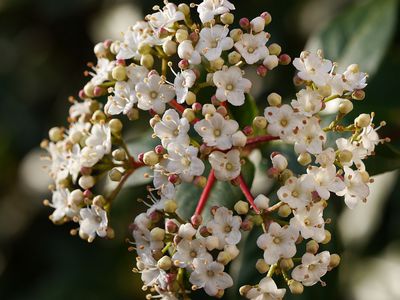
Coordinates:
187 51
310 222
297 191
210 276
278 242
311 138
226 165
210 8
153 93
225 226
182 83
63 206
216 131
102 71
308 102
172 129
187 251
312 268
92 221
326 180
123 99
253 47
231 86
356 189
213 41
313 67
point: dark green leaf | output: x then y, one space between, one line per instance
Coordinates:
387 159
360 35
222 194
245 114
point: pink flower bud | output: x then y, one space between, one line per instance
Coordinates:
159 149
244 23
262 71
284 59
248 130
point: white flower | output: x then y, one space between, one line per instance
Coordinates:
63 206
165 19
187 251
370 138
278 242
216 131
79 110
225 226
213 41
358 153
231 85
136 73
182 83
354 79
210 276
186 231
313 67
266 290
92 221
282 121
183 160
102 71
152 275
326 180
356 189
153 93
129 47
123 99
141 234
100 138
172 129
312 268
310 138
252 47
226 165
210 8
310 222
297 191
186 51
90 156
308 102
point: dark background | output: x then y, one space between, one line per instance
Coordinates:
44 47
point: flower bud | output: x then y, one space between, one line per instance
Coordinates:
262 266
296 287
190 98
86 182
147 61
304 158
261 201
56 134
196 220
151 158
171 226
236 34
284 59
248 130
99 116
227 18
100 50
364 176
345 106
362 120
181 35
285 175
244 23
99 201
274 49
119 73
184 8
157 234
279 161
133 114
328 237
234 57
271 62
312 247
244 290
88 89
274 99
239 139
358 95
170 206
232 250
144 48
257 24
224 258
115 126
241 207
345 156
169 47
164 263
76 196
286 264
119 155
267 17
189 114
260 122
247 224
284 211
217 64
334 261
115 175
262 71
208 109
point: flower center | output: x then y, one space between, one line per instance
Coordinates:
307 222
210 273
175 132
311 267
214 44
250 50
98 219
228 229
153 95
229 87
284 122
295 194
229 166
193 254
185 161
217 132
277 240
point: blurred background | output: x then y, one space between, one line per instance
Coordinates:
44 48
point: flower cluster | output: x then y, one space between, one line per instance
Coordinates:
190 78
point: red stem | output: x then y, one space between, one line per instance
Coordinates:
204 195
246 191
261 139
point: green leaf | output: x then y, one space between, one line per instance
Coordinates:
222 194
360 35
245 114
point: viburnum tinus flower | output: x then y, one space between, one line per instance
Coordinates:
197 128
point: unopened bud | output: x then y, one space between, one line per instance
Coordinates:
189 114
227 18
236 34
234 57
208 109
99 116
312 247
190 98
217 64
279 161
262 71
274 99
241 207
284 211
296 287
239 139
262 266
212 242
169 47
257 24
164 263
119 73
261 201
244 23
99 201
304 159
119 155
184 8
157 234
147 61
267 17
115 175
133 114
362 120
88 89
260 122
284 59
56 134
334 261
274 49
224 258
286 264
86 182
271 62
345 156
151 158
115 126
358 95
170 206
328 237
345 106
181 35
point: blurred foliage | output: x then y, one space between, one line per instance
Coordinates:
44 45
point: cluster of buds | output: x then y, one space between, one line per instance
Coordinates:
191 113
